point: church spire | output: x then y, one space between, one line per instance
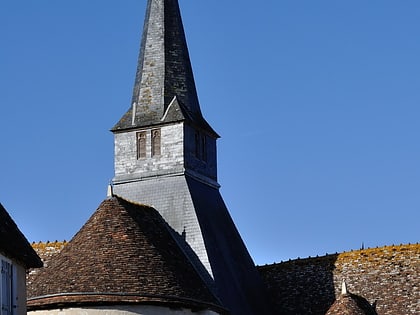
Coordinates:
166 156
164 72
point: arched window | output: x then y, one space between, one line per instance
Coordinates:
141 145
156 142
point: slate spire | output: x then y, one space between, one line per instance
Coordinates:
164 71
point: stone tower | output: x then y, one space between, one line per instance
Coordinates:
165 156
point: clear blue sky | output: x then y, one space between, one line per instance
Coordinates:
317 103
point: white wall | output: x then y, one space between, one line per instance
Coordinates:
18 287
122 310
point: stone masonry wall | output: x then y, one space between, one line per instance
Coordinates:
388 277
171 159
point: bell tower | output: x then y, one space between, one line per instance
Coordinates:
165 156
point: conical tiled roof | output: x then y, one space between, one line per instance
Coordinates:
124 254
350 304
14 244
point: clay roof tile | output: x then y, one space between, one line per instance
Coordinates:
125 253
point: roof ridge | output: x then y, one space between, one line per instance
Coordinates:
368 249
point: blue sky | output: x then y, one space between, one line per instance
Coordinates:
317 103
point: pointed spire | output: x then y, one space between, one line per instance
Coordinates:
164 70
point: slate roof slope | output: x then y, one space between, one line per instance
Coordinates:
164 72
14 244
123 254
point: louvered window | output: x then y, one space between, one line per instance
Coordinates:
6 288
141 145
197 145
155 142
200 146
203 148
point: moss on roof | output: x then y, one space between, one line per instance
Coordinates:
389 251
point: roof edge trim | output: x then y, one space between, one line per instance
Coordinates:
89 298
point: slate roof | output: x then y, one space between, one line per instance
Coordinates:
124 254
13 243
164 72
351 304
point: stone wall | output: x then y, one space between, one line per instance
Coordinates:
170 161
387 277
18 286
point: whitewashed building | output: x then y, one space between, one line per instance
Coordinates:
16 257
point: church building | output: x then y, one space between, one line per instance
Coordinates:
163 241
165 157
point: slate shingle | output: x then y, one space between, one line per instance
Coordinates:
163 72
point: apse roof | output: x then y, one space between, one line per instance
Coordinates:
13 243
124 254
350 304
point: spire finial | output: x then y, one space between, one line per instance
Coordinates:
344 288
110 191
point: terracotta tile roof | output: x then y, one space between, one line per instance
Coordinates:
123 254
351 304
46 251
13 243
